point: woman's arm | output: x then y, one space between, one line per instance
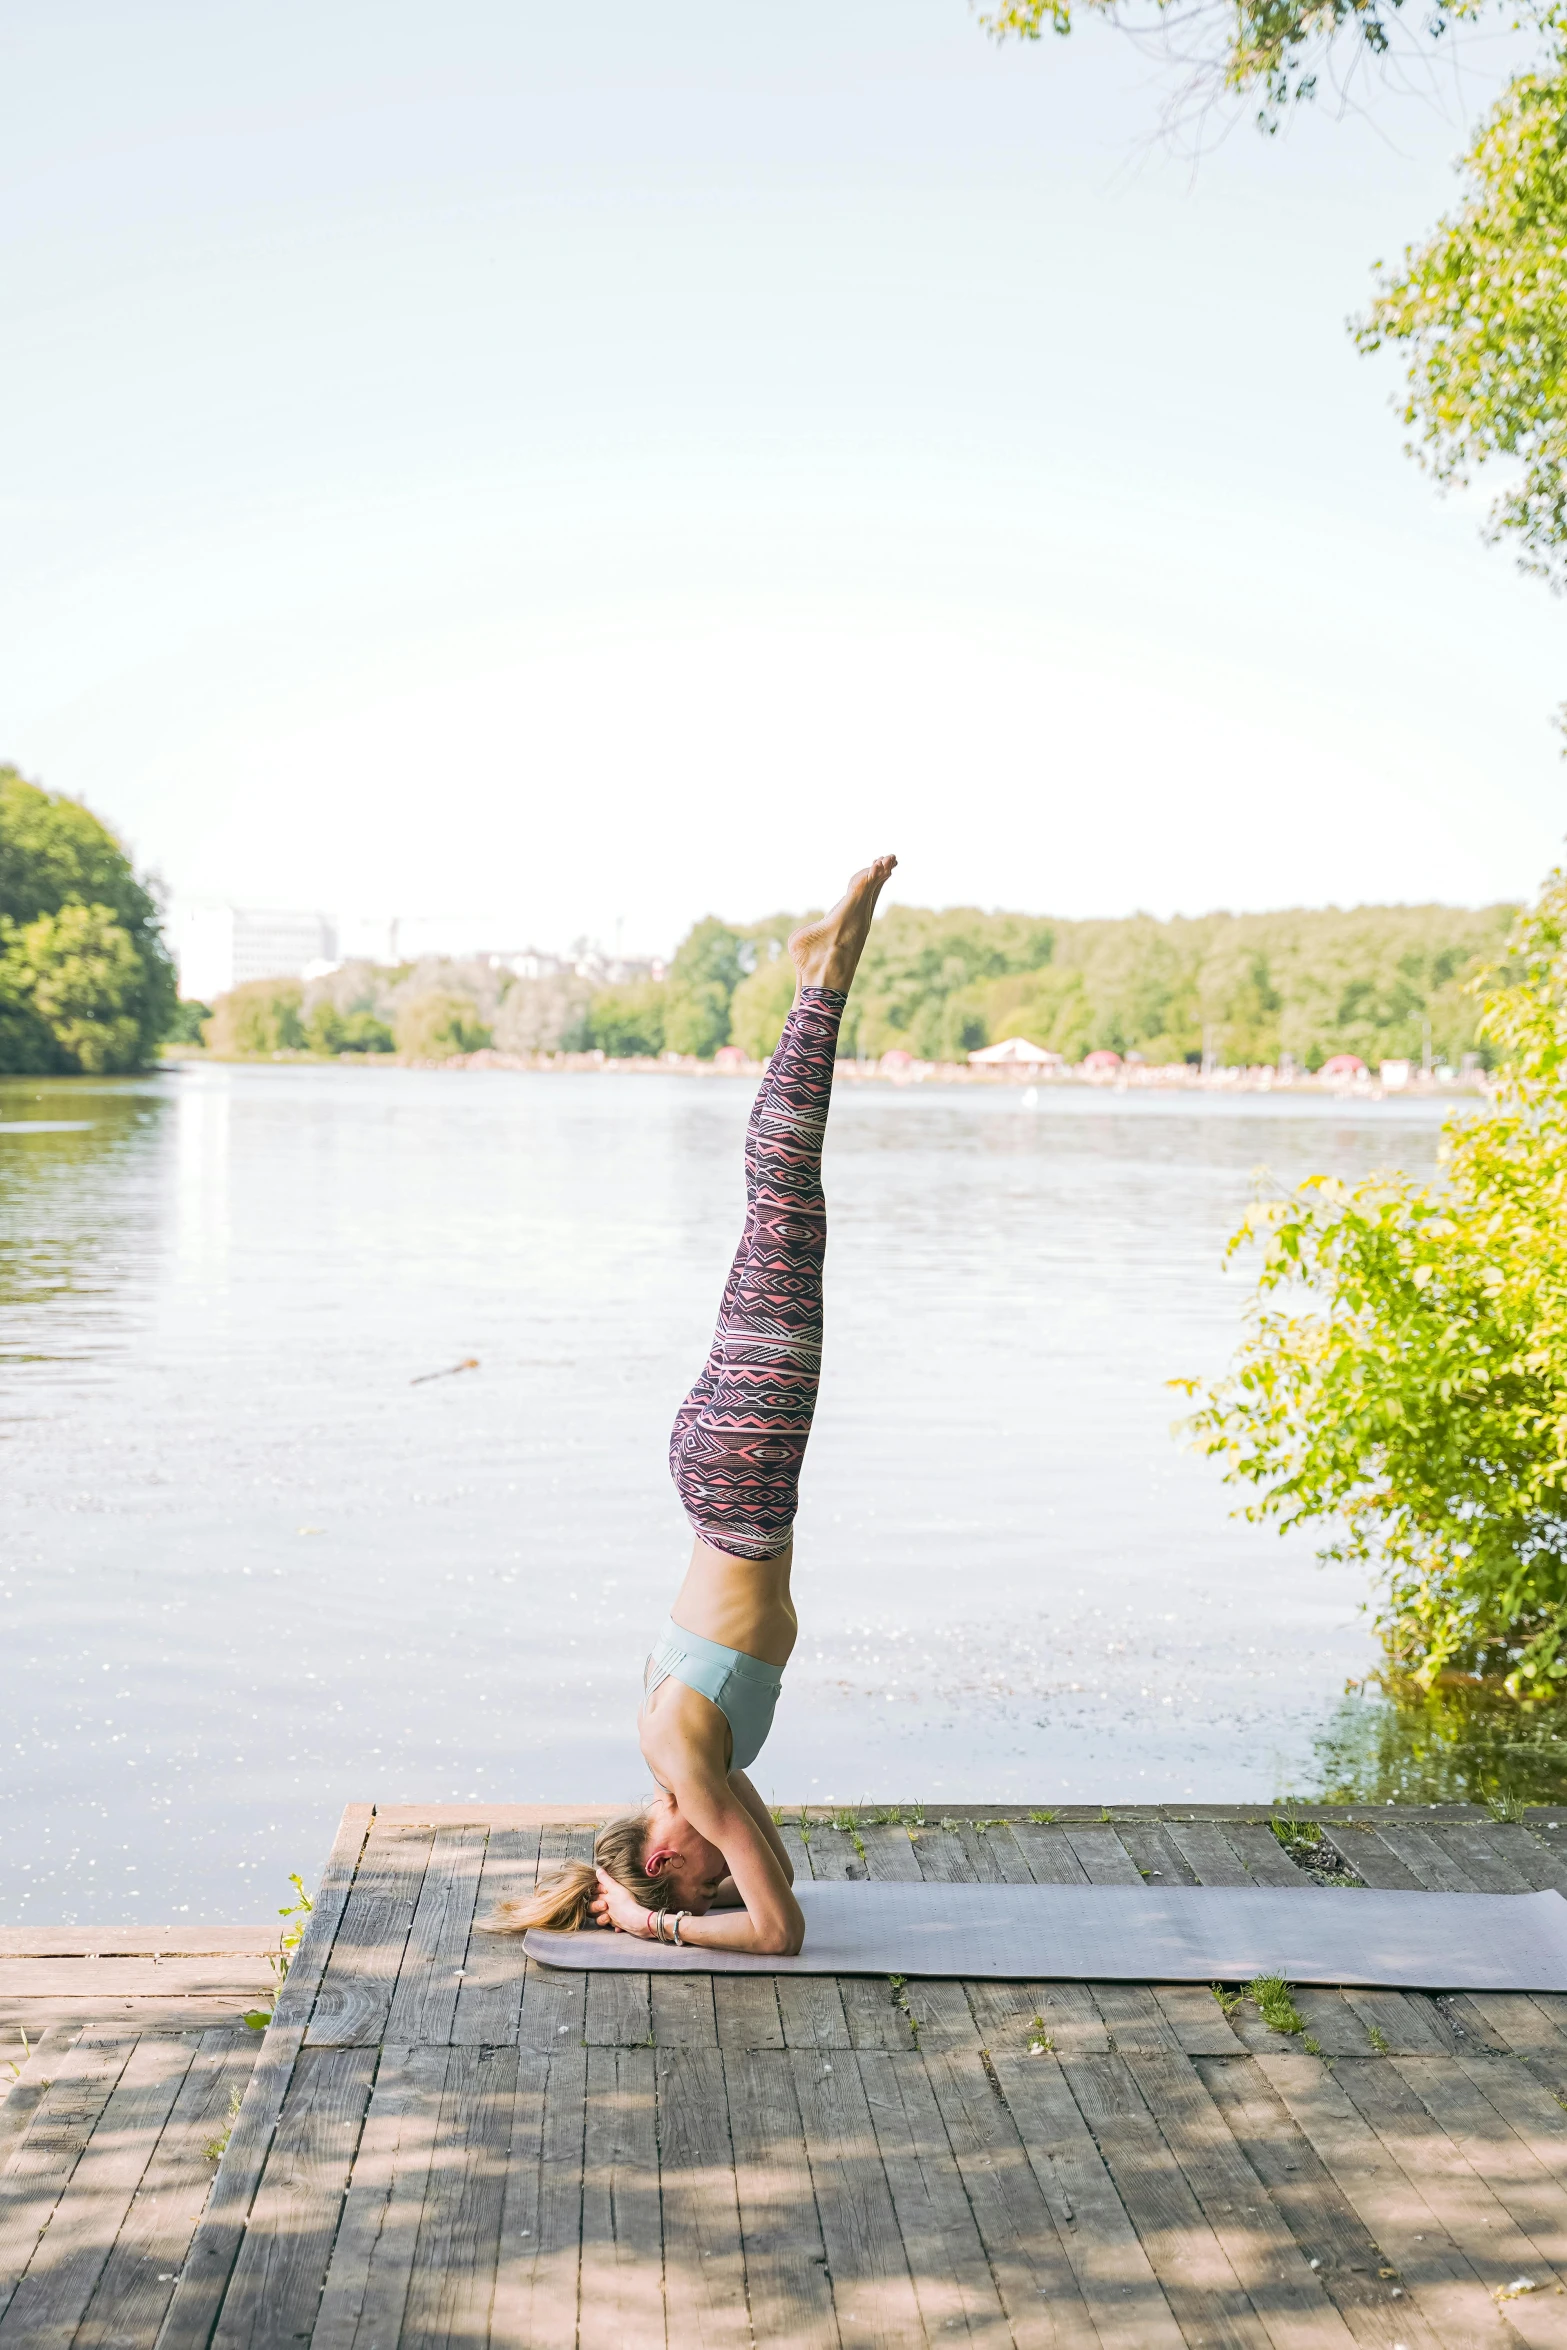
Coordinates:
770 1922
728 1894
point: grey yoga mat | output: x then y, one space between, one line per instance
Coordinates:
1130 1934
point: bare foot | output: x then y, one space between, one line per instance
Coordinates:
827 953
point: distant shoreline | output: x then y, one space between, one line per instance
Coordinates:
1132 1077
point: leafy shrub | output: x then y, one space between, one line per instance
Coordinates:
1405 1373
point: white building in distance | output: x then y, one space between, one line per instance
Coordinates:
219 947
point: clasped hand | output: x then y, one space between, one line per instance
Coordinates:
613 1906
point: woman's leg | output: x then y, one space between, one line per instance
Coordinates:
707 1379
740 1436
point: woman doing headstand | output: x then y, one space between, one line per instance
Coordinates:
703 1863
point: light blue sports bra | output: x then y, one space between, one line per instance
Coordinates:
744 1690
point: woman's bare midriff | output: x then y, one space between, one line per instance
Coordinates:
740 1603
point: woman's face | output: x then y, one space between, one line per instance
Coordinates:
678 1856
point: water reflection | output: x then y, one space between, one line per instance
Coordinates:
1457 1745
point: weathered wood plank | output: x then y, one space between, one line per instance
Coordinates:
745 2009
619 2011
682 2011
275 2290
1414 2242
798 1847
1524 2172
107 1979
1195 2017
372 2259
1073 2022
1205 1847
1120 2291
1475 2218
539 2258
1275 2274
135 2288
622 2290
74 2016
1372 1858
1401 2023
704 2268
836 1856
889 1855
1322 2221
1423 1856
1155 1855
1537 1852
1007 2015
210 2260
554 2008
811 2009
51 2298
1049 1854
430 1978
873 2014
32 2077
941 1857
953 2285
1035 2279
490 2001
1002 1855
554 2001
940 2009
1264 1858
1134 2017
355 1997
1484 1854
873 2293
40 2164
1197 2280
785 2259
453 2280
1104 1855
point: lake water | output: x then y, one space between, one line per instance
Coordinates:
251 1570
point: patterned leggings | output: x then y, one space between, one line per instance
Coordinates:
739 1437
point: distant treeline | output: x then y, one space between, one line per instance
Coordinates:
1385 982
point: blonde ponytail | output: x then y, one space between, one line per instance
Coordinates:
563 1902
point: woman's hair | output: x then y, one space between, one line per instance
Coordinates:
563 1900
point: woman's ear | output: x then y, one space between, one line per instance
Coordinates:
661 1857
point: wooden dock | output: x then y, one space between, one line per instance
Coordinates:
438 2143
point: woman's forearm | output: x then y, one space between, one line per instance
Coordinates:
736 1929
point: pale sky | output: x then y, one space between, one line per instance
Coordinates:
540 469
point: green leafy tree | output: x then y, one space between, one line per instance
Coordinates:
86 983
257 1019
329 1030
628 1022
760 1005
707 969
912 991
189 1023
1479 309
1405 1373
437 1024
1482 311
82 973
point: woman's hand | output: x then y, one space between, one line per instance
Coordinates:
613 1906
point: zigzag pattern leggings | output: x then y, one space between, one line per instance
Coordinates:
740 1436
